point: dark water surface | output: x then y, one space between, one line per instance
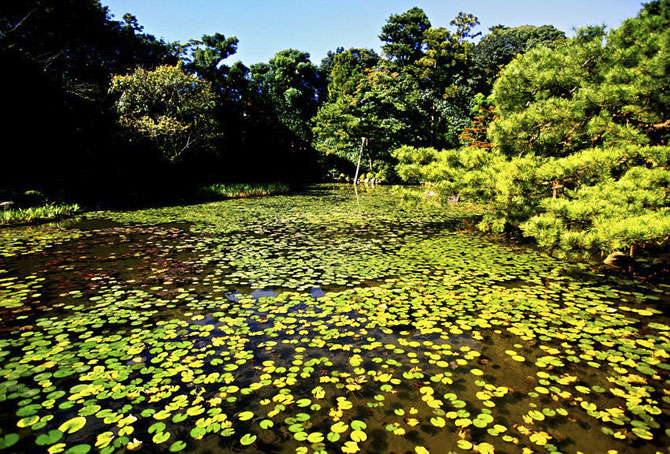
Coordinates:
319 322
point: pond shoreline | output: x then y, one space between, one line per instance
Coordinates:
652 270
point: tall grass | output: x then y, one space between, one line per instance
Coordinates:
240 190
12 216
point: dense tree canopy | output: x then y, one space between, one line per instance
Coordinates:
565 139
58 58
289 81
349 69
403 35
579 156
76 41
494 51
416 94
169 107
586 93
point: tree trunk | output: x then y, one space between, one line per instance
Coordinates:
358 166
432 123
555 186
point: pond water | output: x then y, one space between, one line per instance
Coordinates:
327 322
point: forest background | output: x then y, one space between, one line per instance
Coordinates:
564 140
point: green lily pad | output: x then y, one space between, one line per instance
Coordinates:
177 446
79 449
245 415
49 438
247 439
73 425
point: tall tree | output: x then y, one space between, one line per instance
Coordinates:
418 95
544 98
289 81
349 69
465 23
76 41
583 129
324 70
403 35
493 52
595 90
206 55
170 108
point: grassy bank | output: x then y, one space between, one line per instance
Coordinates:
36 214
241 190
33 208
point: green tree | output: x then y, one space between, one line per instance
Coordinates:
58 58
574 164
636 86
167 106
403 35
416 96
495 50
614 199
588 92
205 57
374 111
324 70
77 42
442 66
349 70
289 82
465 23
338 125
443 73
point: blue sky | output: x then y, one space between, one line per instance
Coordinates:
316 26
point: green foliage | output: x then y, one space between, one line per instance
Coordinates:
336 129
596 200
470 173
555 101
51 211
562 102
542 109
465 23
375 111
349 70
76 41
59 56
494 51
289 81
242 190
211 50
572 166
616 199
416 96
403 35
170 108
205 56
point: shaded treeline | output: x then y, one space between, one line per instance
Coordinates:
64 136
60 135
101 111
423 91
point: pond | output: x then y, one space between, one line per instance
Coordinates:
321 322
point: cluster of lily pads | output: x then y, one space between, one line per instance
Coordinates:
319 323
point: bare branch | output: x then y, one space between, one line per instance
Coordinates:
19 24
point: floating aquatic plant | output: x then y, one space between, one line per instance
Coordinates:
318 323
